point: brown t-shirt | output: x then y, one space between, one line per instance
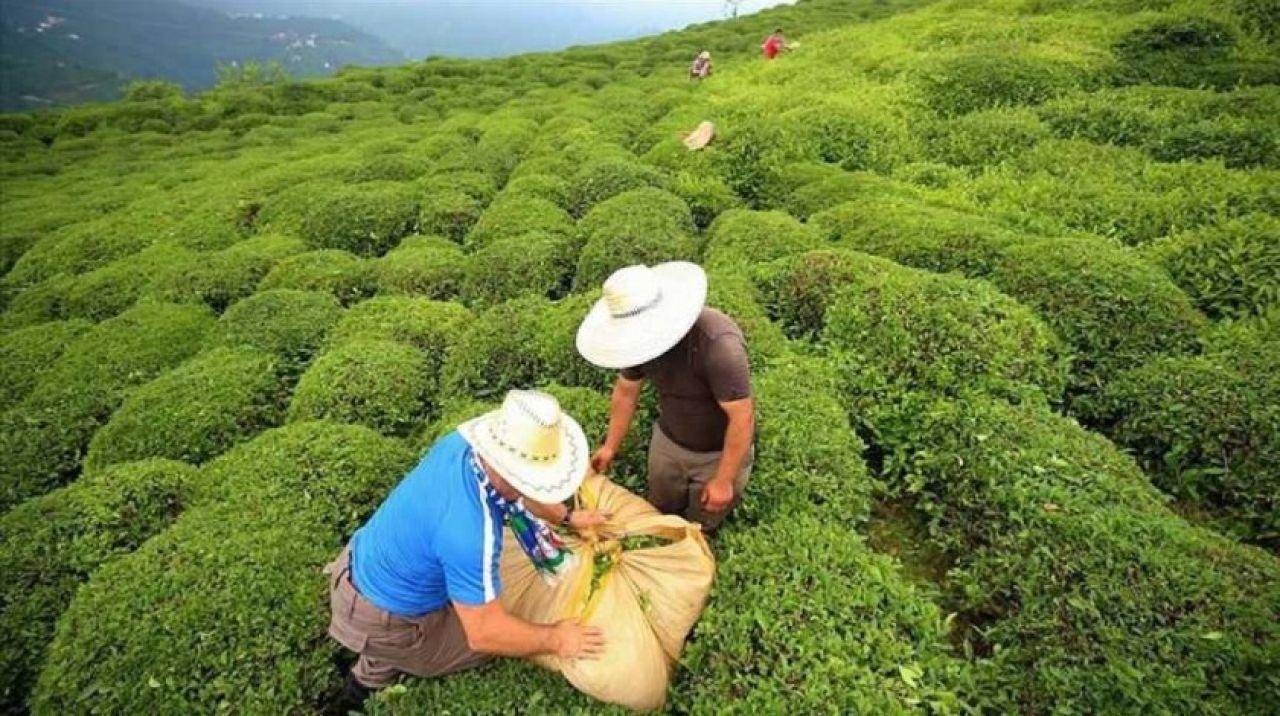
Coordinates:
707 367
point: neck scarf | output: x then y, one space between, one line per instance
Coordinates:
550 557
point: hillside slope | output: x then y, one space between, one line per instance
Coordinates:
1007 270
71 51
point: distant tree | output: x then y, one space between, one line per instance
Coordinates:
731 7
152 91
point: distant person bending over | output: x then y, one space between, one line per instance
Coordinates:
701 68
417 588
774 44
653 324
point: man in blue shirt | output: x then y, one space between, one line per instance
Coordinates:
416 590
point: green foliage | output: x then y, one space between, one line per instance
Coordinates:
44 437
448 213
706 196
646 226
51 544
433 327
1188 51
1231 270
381 384
918 234
600 180
1071 571
343 274
1208 432
988 137
540 186
517 215
285 323
220 278
281 506
366 219
194 412
1113 309
538 264
743 238
975 81
796 290
427 266
28 352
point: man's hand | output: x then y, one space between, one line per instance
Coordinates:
587 519
575 641
717 495
602 458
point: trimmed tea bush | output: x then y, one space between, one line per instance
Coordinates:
795 291
52 543
741 238
450 213
426 266
986 138
733 293
366 219
603 179
1207 434
433 327
44 437
110 290
920 331
1113 309
1072 571
518 215
1231 270
381 384
538 264
917 234
540 186
706 196
253 640
194 412
286 323
974 81
344 275
644 226
221 278
28 352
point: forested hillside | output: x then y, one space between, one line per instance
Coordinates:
1009 272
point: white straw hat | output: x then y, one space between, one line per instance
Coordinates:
537 448
644 313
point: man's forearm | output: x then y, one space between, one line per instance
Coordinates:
516 637
737 445
552 513
622 408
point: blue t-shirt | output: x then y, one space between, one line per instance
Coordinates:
434 540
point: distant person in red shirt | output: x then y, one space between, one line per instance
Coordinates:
774 44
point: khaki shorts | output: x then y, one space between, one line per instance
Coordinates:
677 476
433 644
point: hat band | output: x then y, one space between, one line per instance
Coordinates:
657 298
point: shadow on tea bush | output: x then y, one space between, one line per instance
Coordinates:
1231 270
220 278
51 544
194 412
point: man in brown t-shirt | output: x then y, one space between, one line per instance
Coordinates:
652 325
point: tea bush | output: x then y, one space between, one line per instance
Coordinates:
107 291
340 273
1113 309
448 213
646 226
220 278
366 219
28 352
285 323
540 186
974 81
741 238
986 137
427 266
477 185
517 215
44 437
538 264
1207 433
51 544
603 179
796 290
1002 484
1231 270
433 327
942 334
380 384
194 412
285 501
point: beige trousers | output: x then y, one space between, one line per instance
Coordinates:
677 476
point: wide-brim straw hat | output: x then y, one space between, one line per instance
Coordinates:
645 311
536 447
701 136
